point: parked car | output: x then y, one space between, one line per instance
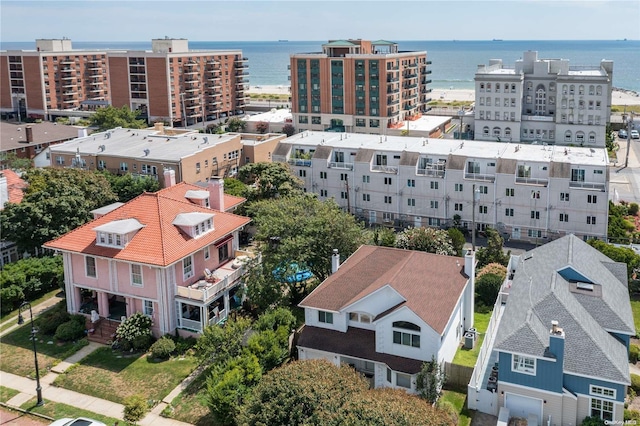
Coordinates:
80 421
635 134
622 134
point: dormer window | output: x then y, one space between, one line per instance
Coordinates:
117 233
195 224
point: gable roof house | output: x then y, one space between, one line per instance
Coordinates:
561 346
385 311
168 254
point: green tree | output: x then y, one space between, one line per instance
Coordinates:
487 289
300 230
228 385
384 237
127 187
430 380
269 180
55 202
13 162
29 278
262 127
493 268
233 186
493 252
288 130
426 239
111 117
457 240
618 254
220 344
236 124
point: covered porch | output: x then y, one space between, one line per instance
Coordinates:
103 304
194 316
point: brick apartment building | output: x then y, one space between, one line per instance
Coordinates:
358 86
167 83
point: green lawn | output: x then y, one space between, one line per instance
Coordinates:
110 375
468 357
457 399
635 308
7 393
59 411
11 318
188 407
17 351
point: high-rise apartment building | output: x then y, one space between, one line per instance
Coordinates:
167 83
358 86
544 101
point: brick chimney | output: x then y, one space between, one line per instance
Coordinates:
216 193
29 131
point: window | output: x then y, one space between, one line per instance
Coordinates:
148 308
124 166
59 159
523 364
325 317
457 207
458 187
483 189
524 171
323 192
387 199
223 252
473 167
363 318
591 220
323 175
411 202
508 212
90 266
136 275
406 339
198 167
535 195
187 267
510 192
344 195
433 204
207 253
600 391
592 199
564 196
366 179
388 375
482 209
564 217
602 409
535 214
433 184
381 160
411 183
387 181
403 380
534 233
302 173
366 197
577 175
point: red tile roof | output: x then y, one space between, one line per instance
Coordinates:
230 201
159 242
431 284
15 186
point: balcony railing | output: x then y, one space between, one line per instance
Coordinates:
385 169
532 181
479 176
431 172
299 162
341 165
587 185
204 291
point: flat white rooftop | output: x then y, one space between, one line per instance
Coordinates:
444 147
275 115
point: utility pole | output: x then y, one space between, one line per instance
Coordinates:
629 128
346 184
473 219
184 111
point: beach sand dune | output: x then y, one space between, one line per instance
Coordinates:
619 96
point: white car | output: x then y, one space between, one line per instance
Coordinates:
635 134
80 421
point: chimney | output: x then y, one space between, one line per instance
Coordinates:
555 351
469 292
216 193
29 130
335 261
158 127
169 178
82 133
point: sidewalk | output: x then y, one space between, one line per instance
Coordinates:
37 310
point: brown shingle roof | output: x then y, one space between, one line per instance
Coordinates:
356 342
14 135
159 242
431 284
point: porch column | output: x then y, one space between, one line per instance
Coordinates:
131 308
75 302
103 304
226 302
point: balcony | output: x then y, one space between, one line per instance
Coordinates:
532 181
240 60
385 169
539 118
225 277
300 162
432 172
588 185
480 177
341 165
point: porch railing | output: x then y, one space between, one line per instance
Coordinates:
204 292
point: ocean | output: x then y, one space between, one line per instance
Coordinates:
453 62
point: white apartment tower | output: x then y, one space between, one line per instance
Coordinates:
543 101
527 192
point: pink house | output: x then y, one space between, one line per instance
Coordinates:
169 254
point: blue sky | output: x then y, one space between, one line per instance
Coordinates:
142 20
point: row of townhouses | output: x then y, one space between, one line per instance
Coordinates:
527 192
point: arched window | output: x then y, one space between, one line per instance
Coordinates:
598 90
541 100
581 90
497 131
592 89
552 87
488 87
482 87
567 136
564 89
572 89
529 85
406 338
580 137
592 137
485 131
513 88
406 325
507 132
497 87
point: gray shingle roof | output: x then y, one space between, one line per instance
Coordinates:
539 294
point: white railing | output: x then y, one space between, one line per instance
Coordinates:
431 172
532 181
341 165
204 291
587 185
190 324
221 315
487 343
479 176
385 169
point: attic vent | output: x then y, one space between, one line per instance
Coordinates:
146 152
584 286
528 256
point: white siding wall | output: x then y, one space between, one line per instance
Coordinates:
339 320
553 406
429 339
451 340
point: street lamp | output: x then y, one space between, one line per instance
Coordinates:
23 306
629 121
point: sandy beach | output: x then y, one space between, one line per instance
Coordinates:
619 96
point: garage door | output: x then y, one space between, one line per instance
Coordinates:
522 406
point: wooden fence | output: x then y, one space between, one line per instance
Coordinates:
457 375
